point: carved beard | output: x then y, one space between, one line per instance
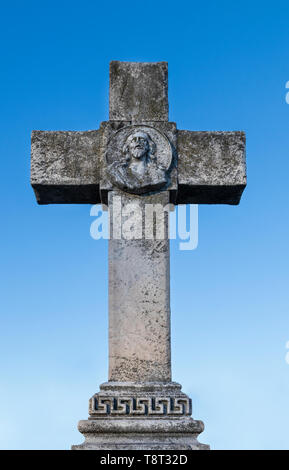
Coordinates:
138 153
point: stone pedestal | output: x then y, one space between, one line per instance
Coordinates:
140 416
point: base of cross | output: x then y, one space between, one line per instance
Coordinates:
140 416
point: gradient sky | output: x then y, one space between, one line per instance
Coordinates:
228 66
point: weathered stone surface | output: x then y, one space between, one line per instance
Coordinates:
140 416
139 399
138 159
139 297
141 434
65 167
112 135
211 167
138 91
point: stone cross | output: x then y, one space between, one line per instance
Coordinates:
139 158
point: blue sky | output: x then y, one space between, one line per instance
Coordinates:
228 66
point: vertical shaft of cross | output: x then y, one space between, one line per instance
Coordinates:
139 294
139 277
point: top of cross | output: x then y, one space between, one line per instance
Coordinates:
138 150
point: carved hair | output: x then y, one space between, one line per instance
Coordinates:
151 151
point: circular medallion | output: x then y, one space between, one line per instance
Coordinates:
138 159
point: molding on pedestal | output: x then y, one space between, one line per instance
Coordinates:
140 416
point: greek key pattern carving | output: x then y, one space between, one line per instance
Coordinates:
119 406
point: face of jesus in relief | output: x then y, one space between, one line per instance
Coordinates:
138 145
138 171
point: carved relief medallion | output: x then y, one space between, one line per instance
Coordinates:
138 159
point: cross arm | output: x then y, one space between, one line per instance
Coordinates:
211 167
65 167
